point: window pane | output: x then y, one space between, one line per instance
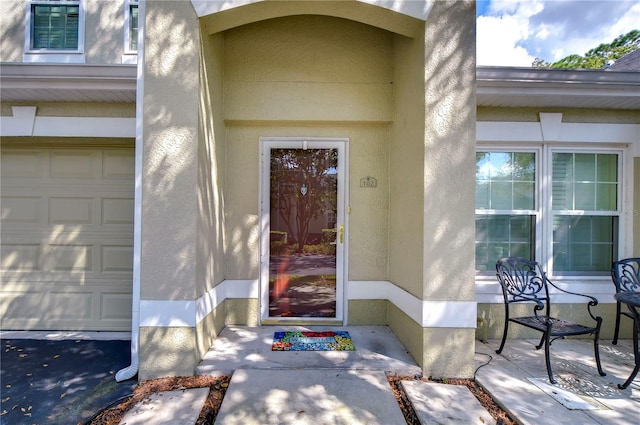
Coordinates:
505 180
501 196
523 196
55 27
583 244
585 167
501 167
482 194
524 166
133 27
585 194
607 196
500 236
585 182
607 168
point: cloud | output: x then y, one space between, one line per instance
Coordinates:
515 32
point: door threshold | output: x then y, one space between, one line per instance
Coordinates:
302 322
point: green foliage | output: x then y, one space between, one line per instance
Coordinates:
278 236
597 57
329 235
281 248
322 248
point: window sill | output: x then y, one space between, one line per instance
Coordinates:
57 57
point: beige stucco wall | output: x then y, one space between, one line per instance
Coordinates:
406 166
169 202
335 83
211 167
12 21
450 141
368 219
176 204
169 351
308 76
104 35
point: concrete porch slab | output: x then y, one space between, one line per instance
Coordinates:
238 347
446 404
309 396
170 407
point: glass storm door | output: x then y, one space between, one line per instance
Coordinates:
303 236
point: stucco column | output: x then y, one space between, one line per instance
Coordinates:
449 315
169 200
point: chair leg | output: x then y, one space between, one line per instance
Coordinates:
547 356
596 347
504 336
617 326
542 340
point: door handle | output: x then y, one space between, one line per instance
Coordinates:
342 233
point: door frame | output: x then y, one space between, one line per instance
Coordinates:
341 144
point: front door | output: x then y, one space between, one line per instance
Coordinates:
303 230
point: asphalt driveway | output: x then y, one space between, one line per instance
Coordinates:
60 382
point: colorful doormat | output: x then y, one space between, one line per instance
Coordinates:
312 341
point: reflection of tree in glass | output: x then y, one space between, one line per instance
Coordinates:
291 169
507 166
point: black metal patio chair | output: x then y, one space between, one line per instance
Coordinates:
626 278
524 281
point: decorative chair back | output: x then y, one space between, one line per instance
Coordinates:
626 275
521 280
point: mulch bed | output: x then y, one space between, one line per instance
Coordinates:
218 387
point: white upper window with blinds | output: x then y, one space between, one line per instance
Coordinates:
55 26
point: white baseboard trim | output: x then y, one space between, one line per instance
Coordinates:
429 314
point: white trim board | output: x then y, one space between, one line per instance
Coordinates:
429 314
552 129
24 122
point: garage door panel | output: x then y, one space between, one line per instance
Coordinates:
118 166
63 210
117 211
21 209
19 305
20 257
69 258
68 305
116 306
74 164
22 164
117 259
67 238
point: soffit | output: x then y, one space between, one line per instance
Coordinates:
544 88
496 86
27 82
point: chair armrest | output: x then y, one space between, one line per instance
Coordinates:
592 300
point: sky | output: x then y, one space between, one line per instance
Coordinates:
516 32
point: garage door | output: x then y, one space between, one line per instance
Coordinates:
67 237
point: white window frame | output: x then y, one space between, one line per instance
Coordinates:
546 258
535 212
129 56
543 208
55 55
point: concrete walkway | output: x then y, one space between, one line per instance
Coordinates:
517 380
350 387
